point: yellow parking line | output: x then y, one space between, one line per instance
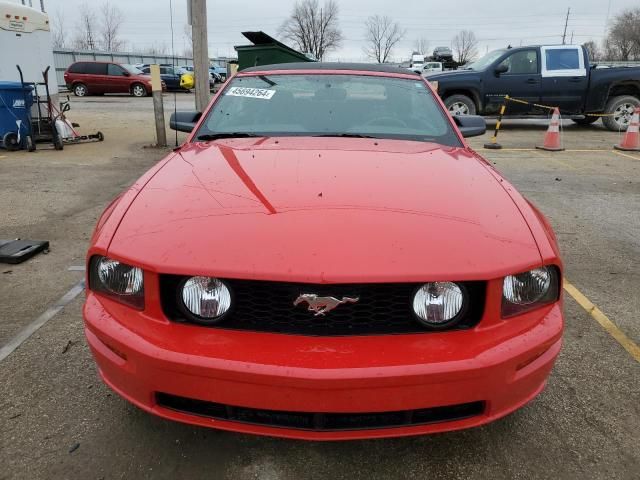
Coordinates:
617 152
603 320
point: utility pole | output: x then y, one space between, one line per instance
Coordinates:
158 106
571 42
566 22
198 22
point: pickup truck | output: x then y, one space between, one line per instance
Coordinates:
554 75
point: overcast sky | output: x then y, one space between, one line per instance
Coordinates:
496 23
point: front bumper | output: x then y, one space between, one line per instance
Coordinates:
504 367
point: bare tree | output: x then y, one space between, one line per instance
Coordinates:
465 45
611 51
623 40
85 38
381 35
593 50
110 24
421 45
313 28
58 30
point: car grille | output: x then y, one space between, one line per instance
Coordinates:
320 421
268 307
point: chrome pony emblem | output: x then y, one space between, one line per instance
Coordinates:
322 305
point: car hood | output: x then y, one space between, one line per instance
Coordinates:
326 210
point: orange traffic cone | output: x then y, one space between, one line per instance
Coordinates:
631 140
552 141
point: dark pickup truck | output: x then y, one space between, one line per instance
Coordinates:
555 75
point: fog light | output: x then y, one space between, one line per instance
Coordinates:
438 304
206 298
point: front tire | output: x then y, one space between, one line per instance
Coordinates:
80 90
619 111
138 90
460 105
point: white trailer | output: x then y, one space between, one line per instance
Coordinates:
25 40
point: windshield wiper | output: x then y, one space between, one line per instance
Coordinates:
344 135
217 136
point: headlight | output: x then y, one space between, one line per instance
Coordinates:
117 280
529 290
438 304
206 298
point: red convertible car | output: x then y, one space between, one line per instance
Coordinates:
325 258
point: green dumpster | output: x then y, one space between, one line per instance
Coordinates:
266 50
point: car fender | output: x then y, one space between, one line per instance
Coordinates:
539 226
110 219
472 93
602 88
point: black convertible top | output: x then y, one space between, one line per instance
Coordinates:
367 67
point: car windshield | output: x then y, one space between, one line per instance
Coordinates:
328 105
485 61
132 69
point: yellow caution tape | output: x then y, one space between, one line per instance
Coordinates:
524 102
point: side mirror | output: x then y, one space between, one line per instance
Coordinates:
471 125
127 73
184 121
500 69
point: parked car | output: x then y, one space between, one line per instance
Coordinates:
217 78
217 73
553 75
220 71
442 53
96 78
170 75
427 67
325 257
213 77
430 67
188 68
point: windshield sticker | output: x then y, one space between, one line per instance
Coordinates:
262 93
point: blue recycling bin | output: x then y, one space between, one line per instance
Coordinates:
15 109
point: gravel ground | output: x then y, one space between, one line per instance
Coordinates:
57 420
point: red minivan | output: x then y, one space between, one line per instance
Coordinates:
97 78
